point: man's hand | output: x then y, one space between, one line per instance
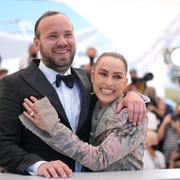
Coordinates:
54 169
135 105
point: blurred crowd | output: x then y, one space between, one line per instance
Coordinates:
162 147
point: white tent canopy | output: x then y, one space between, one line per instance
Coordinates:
140 29
132 25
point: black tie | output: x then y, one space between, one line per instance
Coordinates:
69 80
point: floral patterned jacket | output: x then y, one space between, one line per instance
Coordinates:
115 143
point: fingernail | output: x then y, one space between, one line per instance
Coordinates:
64 175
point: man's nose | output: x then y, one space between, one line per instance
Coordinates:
61 40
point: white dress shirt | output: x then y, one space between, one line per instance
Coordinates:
71 102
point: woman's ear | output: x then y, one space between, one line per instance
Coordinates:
92 76
126 82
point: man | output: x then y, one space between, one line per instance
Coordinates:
20 151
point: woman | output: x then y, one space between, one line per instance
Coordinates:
115 143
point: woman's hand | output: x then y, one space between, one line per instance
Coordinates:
33 114
135 105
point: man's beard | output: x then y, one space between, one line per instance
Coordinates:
50 62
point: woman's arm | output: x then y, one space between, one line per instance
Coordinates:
62 139
136 104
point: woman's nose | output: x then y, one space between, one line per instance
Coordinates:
109 80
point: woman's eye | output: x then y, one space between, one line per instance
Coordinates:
117 77
102 74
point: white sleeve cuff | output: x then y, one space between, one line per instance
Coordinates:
32 170
145 98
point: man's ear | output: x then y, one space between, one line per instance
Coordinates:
36 43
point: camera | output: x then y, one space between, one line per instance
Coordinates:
178 148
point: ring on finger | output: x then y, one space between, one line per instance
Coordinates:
31 113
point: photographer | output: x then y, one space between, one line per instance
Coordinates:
137 83
169 131
174 161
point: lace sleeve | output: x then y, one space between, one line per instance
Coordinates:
114 147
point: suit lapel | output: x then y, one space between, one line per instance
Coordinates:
36 79
85 87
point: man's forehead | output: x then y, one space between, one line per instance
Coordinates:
55 20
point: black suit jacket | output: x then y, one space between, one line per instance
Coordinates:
19 148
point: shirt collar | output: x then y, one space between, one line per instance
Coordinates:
50 73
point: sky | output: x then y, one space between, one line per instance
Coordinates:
12 11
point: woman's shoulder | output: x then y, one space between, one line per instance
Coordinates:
111 119
121 117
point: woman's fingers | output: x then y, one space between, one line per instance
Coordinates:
31 118
33 99
30 105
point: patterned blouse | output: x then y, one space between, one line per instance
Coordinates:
115 144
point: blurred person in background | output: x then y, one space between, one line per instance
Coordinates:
163 109
31 54
134 77
169 132
153 121
174 161
153 158
138 83
91 54
157 105
3 73
150 91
